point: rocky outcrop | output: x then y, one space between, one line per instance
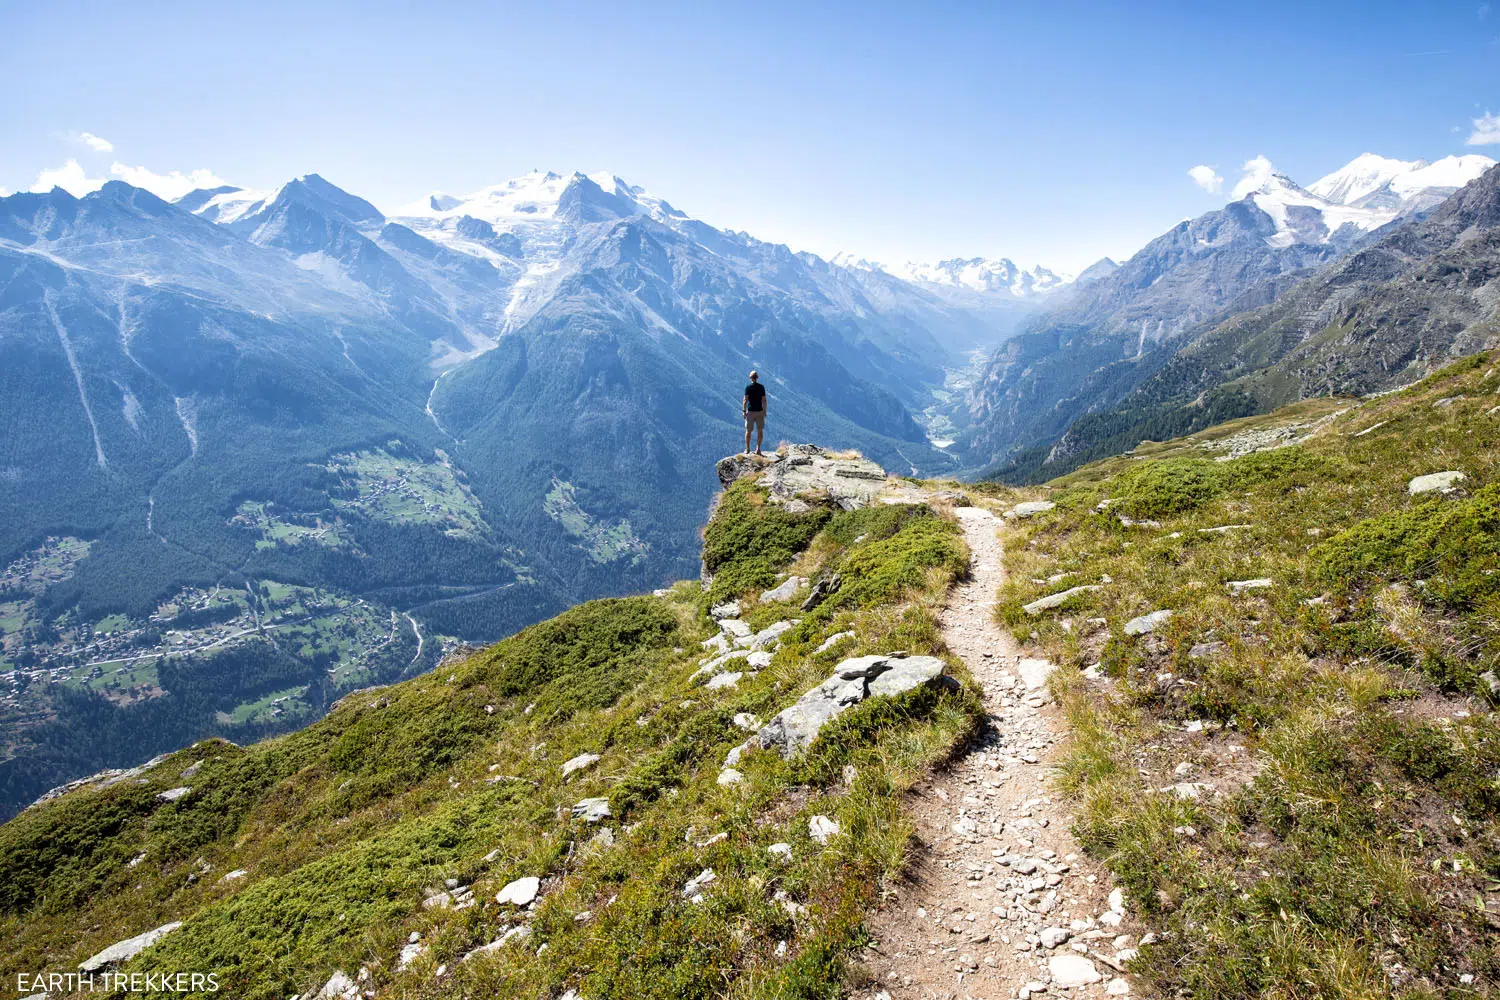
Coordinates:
847 479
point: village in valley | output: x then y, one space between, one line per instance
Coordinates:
118 656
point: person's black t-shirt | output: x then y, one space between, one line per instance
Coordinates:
755 397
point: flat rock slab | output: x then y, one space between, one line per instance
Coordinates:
124 951
718 663
578 763
1148 623
1240 586
771 634
1072 971
1442 482
728 679
735 627
1034 673
831 641
1030 508
591 810
339 987
1041 604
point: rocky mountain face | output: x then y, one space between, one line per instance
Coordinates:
1423 293
1100 340
262 414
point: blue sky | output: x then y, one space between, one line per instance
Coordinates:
1048 132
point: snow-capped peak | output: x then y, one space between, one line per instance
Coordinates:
1366 193
991 276
1451 172
227 204
532 197
1361 176
854 262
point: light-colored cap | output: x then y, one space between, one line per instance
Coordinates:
755 374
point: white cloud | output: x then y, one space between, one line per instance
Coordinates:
1206 178
1257 172
169 186
1486 131
97 143
70 177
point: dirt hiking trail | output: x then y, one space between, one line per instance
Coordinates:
1002 903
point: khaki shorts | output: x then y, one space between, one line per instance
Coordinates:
755 420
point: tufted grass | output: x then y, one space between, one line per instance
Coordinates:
346 826
1353 848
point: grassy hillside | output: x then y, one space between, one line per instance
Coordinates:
324 850
1295 777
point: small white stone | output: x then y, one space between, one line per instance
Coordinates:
519 892
1118 987
1054 936
1072 970
822 829
729 776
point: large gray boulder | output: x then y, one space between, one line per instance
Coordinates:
1442 482
853 680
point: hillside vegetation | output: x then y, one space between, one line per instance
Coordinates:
375 841
1294 774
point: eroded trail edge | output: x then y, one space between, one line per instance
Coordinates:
1002 902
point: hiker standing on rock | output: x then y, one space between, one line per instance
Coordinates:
753 406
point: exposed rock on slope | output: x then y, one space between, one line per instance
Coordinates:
848 479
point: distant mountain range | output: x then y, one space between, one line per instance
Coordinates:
265 446
1096 342
1285 306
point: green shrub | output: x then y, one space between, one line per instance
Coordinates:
1274 466
1171 486
1178 485
875 523
599 648
880 571
750 538
1453 545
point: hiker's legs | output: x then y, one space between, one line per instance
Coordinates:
760 435
747 435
